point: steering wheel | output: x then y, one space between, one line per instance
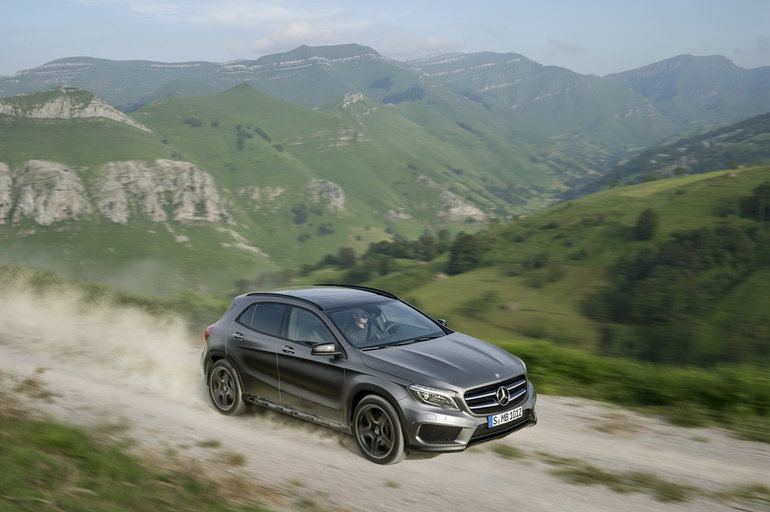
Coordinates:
392 329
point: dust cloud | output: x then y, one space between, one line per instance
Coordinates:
106 342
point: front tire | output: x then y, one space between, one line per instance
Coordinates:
225 388
378 431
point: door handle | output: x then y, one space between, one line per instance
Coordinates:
287 349
238 336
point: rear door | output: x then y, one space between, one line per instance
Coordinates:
253 341
310 383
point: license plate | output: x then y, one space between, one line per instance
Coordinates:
505 417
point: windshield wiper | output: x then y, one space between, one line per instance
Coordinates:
417 340
376 347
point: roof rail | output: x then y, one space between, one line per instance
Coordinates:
283 296
362 288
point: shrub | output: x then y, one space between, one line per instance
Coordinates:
646 224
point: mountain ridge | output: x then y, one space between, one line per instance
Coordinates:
576 124
721 97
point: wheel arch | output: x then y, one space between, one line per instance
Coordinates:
365 389
211 358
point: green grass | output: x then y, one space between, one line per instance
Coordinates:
141 257
732 397
578 472
507 451
76 143
517 309
49 466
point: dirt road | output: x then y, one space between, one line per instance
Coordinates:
107 366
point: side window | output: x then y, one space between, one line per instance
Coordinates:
268 318
306 327
245 317
264 317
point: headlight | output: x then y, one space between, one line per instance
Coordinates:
442 398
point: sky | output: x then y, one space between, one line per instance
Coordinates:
587 36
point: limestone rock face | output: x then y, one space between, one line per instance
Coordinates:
167 187
329 192
455 209
48 192
45 192
6 188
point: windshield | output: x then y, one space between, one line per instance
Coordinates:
387 323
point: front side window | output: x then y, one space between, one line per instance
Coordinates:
305 327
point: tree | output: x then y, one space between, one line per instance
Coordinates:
759 204
466 253
300 213
346 258
646 224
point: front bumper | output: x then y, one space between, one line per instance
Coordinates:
432 429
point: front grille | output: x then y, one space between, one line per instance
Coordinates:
438 434
482 401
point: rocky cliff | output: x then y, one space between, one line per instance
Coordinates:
48 192
154 190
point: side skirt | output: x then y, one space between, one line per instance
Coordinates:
254 399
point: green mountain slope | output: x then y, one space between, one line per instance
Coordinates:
386 161
263 183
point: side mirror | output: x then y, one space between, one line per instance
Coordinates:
442 322
325 349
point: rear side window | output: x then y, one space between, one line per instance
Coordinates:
264 317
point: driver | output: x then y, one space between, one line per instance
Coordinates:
357 330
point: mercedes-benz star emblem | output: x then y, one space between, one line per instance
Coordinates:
503 396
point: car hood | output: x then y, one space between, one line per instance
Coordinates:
454 361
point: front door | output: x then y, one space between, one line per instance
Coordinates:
310 383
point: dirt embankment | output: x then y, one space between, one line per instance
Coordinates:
107 366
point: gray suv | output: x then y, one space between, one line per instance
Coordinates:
361 360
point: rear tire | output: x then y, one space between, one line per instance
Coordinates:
378 431
225 388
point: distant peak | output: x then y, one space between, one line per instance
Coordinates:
326 54
679 63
